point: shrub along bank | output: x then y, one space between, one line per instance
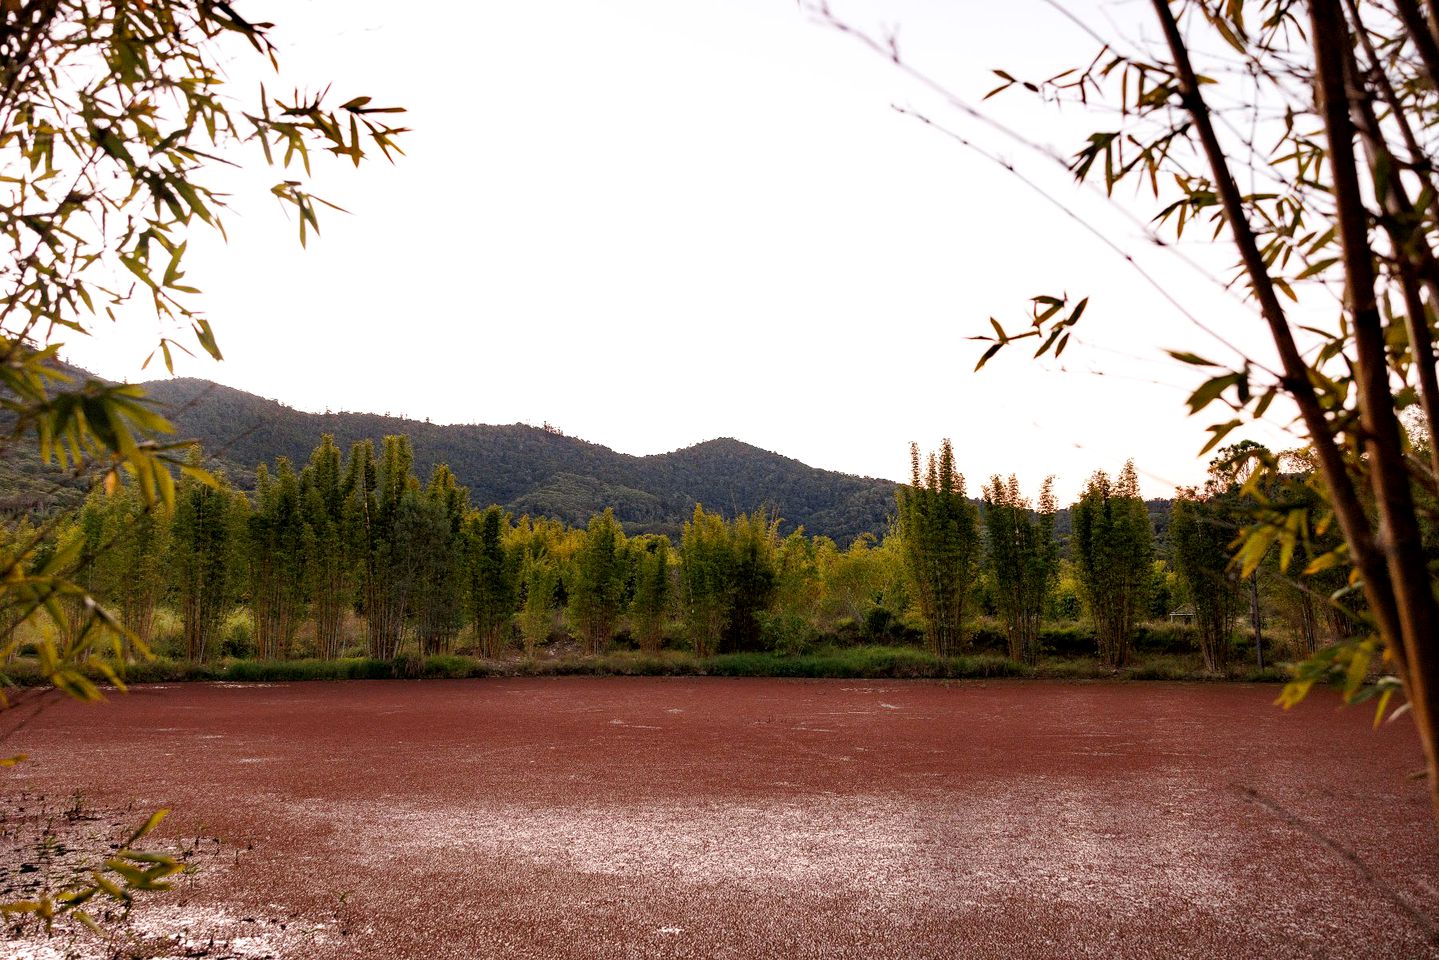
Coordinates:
853 662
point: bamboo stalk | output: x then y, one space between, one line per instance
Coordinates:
1389 478
1348 509
1421 34
1412 253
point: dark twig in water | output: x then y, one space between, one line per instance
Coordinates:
1394 897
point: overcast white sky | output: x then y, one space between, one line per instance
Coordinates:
655 222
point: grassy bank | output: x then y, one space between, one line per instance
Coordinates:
858 662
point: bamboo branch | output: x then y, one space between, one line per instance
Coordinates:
1416 323
1411 248
1419 161
1423 37
1412 589
1347 507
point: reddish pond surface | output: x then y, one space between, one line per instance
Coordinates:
580 817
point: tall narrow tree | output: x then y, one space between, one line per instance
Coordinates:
1113 547
753 541
1200 532
330 543
206 558
939 532
379 496
490 574
1023 560
430 544
275 553
654 590
538 550
705 577
597 587
540 579
141 550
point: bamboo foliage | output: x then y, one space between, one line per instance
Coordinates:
128 543
600 574
538 546
430 534
1343 204
1113 550
491 588
1201 528
276 561
208 528
1023 558
728 578
654 590
939 533
330 543
380 500
436 565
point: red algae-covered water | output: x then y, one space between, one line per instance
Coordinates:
622 817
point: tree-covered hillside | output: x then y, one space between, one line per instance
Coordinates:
543 472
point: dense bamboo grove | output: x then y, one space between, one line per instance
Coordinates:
353 554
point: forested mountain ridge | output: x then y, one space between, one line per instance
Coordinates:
523 468
539 471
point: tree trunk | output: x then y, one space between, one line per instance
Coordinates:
1255 619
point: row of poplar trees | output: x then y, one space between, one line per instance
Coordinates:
361 534
947 540
311 545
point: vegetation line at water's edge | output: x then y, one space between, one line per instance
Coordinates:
867 662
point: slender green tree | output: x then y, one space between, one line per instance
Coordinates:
1201 528
705 578
379 498
331 543
799 562
728 579
139 551
540 553
430 543
600 572
276 560
1113 546
1023 559
143 552
206 557
753 541
654 590
849 584
491 578
540 578
94 527
939 531
124 543
88 535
